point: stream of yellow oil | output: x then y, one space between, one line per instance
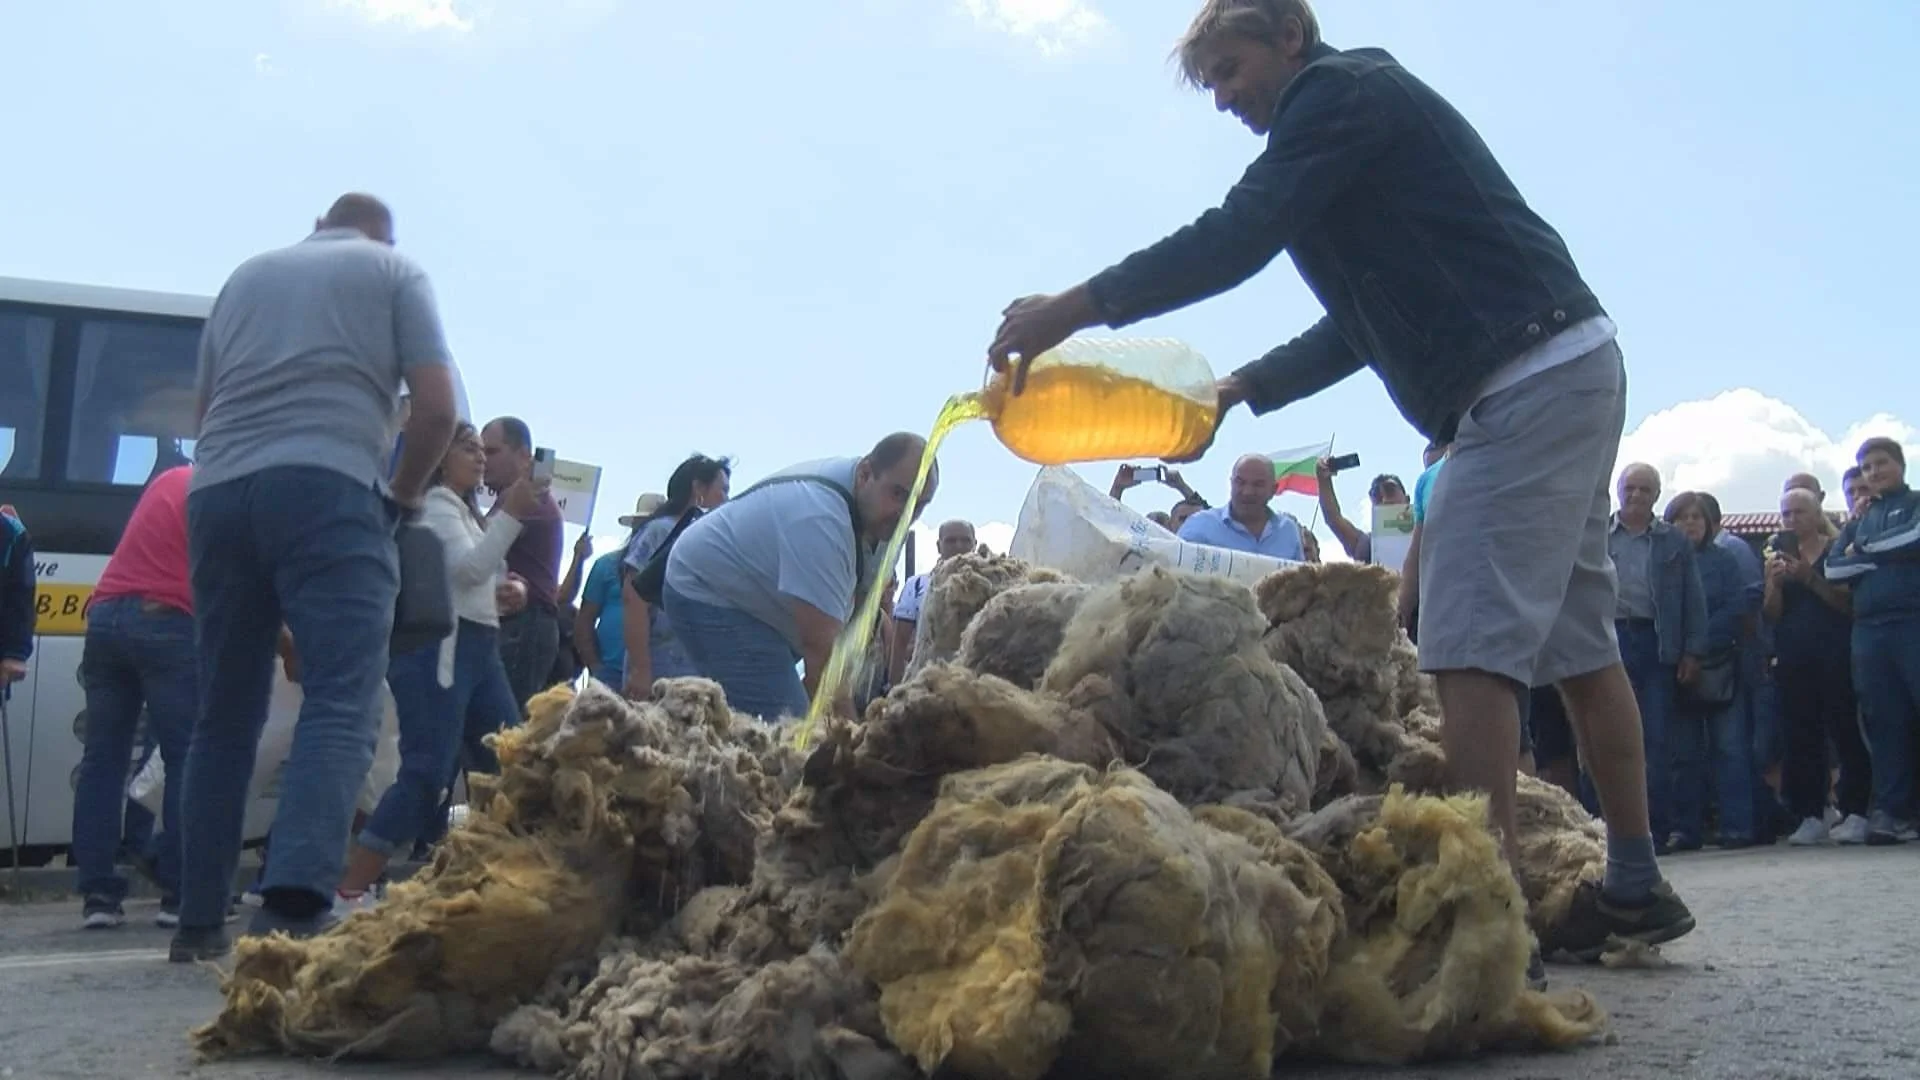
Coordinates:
851 648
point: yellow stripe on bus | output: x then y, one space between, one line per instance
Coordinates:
61 610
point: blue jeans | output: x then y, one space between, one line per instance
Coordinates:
313 548
1713 747
1653 688
529 642
753 664
434 722
138 655
1886 677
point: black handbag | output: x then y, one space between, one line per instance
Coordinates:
1718 683
423 610
652 578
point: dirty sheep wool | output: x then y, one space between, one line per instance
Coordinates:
1165 826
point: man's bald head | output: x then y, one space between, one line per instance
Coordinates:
362 212
1807 482
1252 484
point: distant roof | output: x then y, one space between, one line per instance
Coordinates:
1761 524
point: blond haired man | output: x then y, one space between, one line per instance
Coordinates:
1435 274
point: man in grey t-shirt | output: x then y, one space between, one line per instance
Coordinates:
291 519
768 580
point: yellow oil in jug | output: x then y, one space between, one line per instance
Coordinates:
1072 414
851 648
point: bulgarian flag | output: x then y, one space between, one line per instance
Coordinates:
1295 470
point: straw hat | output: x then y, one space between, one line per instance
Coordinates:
643 508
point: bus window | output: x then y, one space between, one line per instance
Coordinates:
26 357
133 410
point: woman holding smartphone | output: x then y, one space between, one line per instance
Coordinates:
1813 669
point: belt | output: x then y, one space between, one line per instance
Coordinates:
1637 624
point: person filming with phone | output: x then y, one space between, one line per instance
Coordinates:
530 599
1132 476
1249 522
1813 667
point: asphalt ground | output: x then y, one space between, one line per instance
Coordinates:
1805 965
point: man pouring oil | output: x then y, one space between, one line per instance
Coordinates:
1436 274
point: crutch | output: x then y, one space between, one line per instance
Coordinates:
13 809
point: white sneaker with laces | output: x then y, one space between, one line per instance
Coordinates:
1851 831
1812 833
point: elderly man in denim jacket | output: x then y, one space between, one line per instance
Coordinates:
1661 620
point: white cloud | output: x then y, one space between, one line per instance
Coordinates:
411 14
1054 26
1742 445
263 66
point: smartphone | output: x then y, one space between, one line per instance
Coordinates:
543 460
1786 543
1151 472
1343 463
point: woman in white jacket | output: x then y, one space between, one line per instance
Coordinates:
446 691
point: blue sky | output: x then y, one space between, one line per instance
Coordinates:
779 231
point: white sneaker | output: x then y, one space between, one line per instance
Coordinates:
1832 816
1851 831
1812 833
344 905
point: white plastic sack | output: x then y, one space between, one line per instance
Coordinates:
1071 526
276 743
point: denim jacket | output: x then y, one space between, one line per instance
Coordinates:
1725 589
1879 557
1679 595
1432 268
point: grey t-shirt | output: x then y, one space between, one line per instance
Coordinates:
767 548
302 359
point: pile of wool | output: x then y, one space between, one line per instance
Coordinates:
1017 633
1335 625
1205 711
1052 919
748 981
1433 961
1561 848
957 590
1047 916
603 815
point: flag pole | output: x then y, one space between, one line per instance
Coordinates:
1316 502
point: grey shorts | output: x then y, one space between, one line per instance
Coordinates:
1515 579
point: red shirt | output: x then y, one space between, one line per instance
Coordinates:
150 561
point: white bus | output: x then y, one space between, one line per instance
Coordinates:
97 395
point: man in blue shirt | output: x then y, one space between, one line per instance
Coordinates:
1248 522
1879 559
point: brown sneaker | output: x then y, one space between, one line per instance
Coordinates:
1593 920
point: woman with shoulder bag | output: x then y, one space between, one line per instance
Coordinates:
455 690
1711 741
654 651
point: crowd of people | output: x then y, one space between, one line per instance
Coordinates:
1627 654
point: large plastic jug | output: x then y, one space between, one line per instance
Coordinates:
1098 399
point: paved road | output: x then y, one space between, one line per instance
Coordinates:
1805 966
